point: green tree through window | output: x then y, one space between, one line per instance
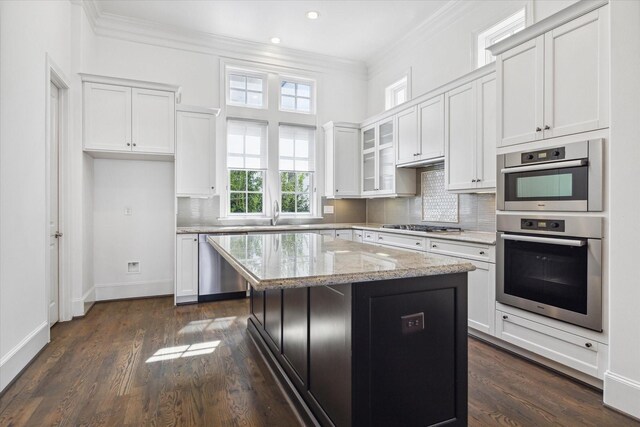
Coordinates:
245 191
296 192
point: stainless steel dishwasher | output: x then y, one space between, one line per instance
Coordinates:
217 280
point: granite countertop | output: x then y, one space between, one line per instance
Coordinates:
294 260
481 237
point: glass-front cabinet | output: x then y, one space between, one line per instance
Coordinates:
379 172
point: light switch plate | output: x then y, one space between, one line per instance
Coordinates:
328 209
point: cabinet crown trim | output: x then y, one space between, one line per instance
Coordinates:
565 15
117 81
197 109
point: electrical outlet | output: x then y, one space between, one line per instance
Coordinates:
328 209
133 267
412 323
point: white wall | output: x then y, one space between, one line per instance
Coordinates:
443 51
622 380
146 236
28 30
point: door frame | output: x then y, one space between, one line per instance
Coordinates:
55 75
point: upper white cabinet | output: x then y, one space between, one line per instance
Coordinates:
195 152
342 160
421 133
408 142
470 136
127 116
380 177
556 83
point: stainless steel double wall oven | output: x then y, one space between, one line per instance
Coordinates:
550 262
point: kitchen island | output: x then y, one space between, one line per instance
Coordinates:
357 334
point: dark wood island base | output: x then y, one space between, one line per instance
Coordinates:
381 353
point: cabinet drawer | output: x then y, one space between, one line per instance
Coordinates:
402 241
344 234
331 233
571 350
357 235
370 236
465 250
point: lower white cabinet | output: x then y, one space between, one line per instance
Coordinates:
402 241
330 233
357 235
195 152
186 282
482 297
582 354
344 234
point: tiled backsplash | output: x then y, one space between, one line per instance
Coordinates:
205 212
476 212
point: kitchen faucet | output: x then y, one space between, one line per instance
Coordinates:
275 215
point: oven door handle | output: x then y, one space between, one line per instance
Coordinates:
548 240
546 166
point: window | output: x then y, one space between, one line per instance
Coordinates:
245 89
397 93
246 162
496 33
297 163
296 96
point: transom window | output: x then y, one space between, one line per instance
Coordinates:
245 89
496 33
297 164
246 163
296 96
397 93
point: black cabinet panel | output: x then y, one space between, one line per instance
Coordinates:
330 351
295 329
413 370
257 305
273 314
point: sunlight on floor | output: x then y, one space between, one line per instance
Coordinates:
207 325
170 353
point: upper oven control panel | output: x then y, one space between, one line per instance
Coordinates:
548 155
542 224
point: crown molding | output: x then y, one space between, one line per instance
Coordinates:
442 18
152 33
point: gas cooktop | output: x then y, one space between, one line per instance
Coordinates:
420 227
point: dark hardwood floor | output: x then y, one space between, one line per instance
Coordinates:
144 362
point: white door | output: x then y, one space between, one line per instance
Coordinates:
577 76
54 235
520 104
153 121
107 117
431 114
346 160
486 142
195 154
407 141
460 132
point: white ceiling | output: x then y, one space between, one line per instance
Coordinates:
347 29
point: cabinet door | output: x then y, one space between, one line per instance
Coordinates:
195 154
346 154
386 170
407 141
520 74
369 172
482 297
576 76
186 267
431 115
369 137
153 124
107 117
460 132
486 139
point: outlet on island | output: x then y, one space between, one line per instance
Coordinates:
412 323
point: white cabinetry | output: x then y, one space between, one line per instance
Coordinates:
470 136
186 268
380 177
408 142
128 117
344 234
195 152
421 133
357 235
342 159
556 83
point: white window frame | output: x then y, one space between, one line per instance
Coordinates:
296 193
502 29
246 73
311 171
246 193
297 81
390 91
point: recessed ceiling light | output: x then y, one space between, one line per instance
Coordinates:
312 14
275 40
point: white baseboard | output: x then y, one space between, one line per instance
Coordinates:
19 356
80 305
108 291
622 394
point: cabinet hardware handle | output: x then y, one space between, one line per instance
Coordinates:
477 179
434 246
128 144
505 317
588 345
481 252
134 144
336 190
546 127
379 237
417 243
473 180
538 129
195 240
